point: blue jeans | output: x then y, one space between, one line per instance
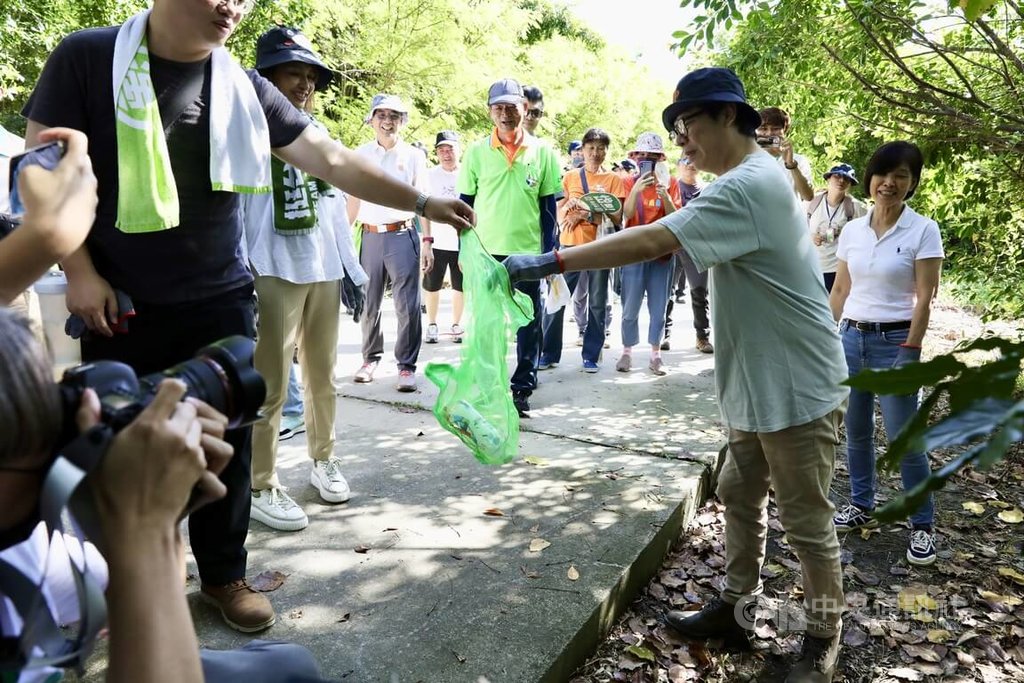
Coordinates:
293 406
652 277
593 337
878 350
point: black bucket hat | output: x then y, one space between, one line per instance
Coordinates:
284 44
711 84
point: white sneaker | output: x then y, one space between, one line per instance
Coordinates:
328 480
276 509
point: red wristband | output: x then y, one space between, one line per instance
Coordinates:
561 263
910 346
428 239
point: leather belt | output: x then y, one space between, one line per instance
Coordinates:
388 227
878 327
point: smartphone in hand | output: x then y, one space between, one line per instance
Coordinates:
47 155
646 166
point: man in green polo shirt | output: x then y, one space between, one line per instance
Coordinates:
511 179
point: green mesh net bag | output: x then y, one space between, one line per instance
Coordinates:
474 402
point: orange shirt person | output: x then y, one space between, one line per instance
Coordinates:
578 225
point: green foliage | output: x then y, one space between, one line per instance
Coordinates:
985 413
859 72
438 55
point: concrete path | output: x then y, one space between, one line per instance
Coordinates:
442 569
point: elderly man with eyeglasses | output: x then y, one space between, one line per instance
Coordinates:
390 248
778 366
177 132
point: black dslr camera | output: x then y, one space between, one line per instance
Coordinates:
220 374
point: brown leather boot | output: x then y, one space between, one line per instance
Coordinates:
243 608
817 663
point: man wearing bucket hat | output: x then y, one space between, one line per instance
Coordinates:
300 250
827 215
778 361
178 131
390 246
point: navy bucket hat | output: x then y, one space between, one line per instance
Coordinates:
844 171
284 44
711 84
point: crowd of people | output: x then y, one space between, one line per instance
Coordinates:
211 200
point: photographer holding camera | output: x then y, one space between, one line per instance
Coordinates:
771 137
166 457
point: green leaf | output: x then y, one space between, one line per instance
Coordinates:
641 653
973 9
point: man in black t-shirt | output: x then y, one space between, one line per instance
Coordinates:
189 284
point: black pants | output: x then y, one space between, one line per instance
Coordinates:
698 296
160 336
528 340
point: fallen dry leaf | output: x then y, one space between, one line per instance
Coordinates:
939 635
866 533
973 508
534 460
573 573
362 549
1014 516
267 581
997 599
538 544
905 673
922 652
494 512
1012 574
529 573
343 618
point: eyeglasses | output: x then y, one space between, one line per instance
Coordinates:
242 6
684 122
534 113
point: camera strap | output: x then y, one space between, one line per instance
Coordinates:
40 633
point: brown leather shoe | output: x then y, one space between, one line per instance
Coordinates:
243 608
704 346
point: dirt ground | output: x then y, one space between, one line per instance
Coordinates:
962 619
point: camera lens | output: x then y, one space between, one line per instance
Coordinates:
223 376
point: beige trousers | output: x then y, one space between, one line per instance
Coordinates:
289 314
798 463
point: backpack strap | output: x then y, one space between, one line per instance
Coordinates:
583 181
848 207
815 202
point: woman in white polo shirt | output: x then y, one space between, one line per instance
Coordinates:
887 276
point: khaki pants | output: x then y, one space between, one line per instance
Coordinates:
290 313
798 463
